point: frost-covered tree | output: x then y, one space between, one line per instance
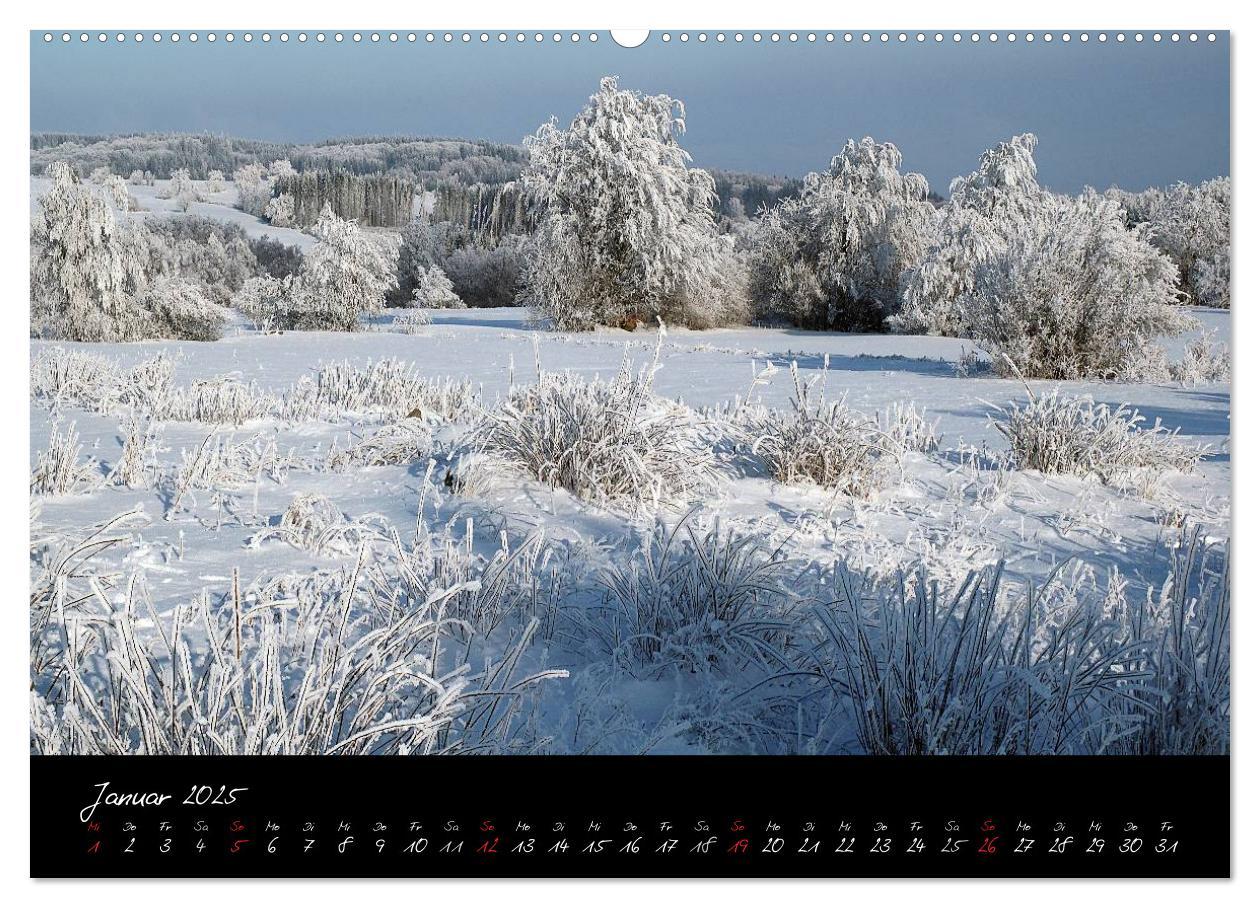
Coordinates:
833 256
182 189
137 178
983 208
252 189
1075 293
1051 286
99 175
119 197
280 210
215 181
86 268
281 169
628 233
434 290
1192 225
343 277
179 308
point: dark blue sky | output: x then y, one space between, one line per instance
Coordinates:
1130 114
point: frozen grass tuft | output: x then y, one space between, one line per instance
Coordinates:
829 444
88 381
1075 436
313 523
613 442
223 401
403 442
1067 669
698 598
906 429
137 465
316 664
59 468
388 386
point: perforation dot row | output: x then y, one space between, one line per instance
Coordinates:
665 37
321 37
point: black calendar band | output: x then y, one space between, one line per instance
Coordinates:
552 816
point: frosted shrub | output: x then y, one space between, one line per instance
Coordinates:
629 232
178 308
832 257
825 443
434 290
252 189
215 181
698 599
218 401
1076 436
1191 224
1001 192
1204 362
612 442
265 301
1050 286
58 470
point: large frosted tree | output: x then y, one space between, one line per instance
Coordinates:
1051 286
343 277
832 257
86 268
629 233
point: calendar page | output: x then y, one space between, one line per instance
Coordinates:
780 453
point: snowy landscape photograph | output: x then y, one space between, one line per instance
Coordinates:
547 396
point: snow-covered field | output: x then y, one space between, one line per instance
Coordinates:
950 511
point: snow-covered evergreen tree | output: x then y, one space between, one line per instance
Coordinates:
628 232
833 257
86 268
343 277
434 290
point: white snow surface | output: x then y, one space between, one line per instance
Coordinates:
937 512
